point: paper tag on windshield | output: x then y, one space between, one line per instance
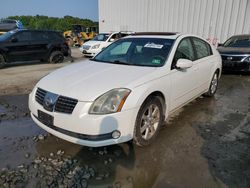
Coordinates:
153 45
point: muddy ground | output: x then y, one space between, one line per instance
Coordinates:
206 144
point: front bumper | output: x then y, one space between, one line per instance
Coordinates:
235 66
90 53
85 129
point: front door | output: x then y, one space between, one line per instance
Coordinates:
18 48
184 82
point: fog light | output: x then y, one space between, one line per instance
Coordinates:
116 134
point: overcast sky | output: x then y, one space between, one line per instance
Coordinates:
56 8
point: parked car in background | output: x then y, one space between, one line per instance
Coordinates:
235 53
9 24
127 90
27 45
101 41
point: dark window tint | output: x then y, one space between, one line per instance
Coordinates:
238 41
184 51
23 36
202 48
38 36
54 36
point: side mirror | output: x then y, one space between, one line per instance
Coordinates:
184 64
13 39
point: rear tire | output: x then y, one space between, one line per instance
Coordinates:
56 57
148 122
2 61
213 86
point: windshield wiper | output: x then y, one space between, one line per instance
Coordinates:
113 62
121 63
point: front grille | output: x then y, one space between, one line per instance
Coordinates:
86 47
40 95
233 58
63 104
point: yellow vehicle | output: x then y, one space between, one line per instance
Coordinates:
79 34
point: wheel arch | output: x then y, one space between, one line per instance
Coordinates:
157 94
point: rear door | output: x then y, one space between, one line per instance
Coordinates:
184 82
38 45
204 58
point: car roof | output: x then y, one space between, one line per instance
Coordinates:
123 32
37 30
167 35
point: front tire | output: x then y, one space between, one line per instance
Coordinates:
2 61
213 85
56 57
148 122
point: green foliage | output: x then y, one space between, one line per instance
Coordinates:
52 23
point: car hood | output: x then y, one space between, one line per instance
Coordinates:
92 43
236 51
88 80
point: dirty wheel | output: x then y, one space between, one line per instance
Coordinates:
56 57
148 121
2 61
213 86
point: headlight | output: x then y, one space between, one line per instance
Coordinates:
110 102
247 59
96 46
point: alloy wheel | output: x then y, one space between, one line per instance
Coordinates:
150 121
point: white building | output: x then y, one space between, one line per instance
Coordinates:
207 18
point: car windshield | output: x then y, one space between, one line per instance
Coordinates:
238 42
7 35
151 52
101 37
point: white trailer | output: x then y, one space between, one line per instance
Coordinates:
217 19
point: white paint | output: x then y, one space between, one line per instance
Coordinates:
88 80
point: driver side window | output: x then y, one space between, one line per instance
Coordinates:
184 51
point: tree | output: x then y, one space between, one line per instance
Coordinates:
52 23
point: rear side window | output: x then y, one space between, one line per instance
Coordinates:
54 36
202 48
39 36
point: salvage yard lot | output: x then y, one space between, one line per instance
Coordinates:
206 144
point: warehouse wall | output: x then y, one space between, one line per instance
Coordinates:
207 18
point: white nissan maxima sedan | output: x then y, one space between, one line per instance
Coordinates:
127 91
